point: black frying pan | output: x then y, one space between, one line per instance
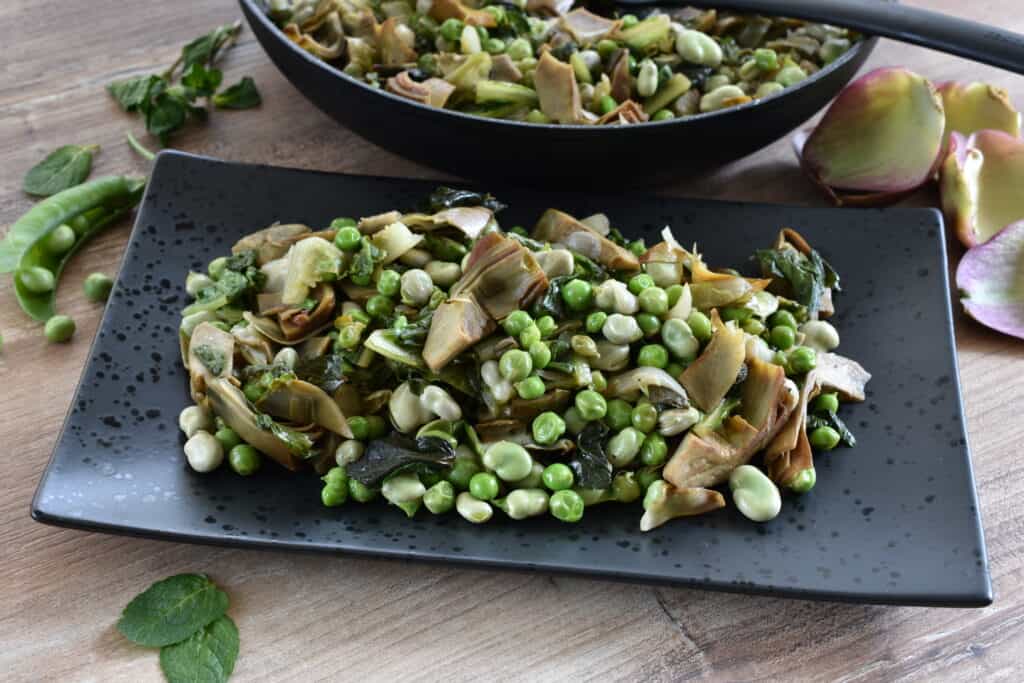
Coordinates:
551 155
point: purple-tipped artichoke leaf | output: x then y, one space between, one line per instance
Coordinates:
990 278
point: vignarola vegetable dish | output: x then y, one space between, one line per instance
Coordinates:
436 360
544 61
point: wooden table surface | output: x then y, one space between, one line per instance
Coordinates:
306 617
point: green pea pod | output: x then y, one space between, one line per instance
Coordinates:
62 207
104 208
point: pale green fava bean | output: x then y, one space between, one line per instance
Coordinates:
721 98
531 481
624 446
679 339
473 510
698 48
508 460
755 495
439 498
523 503
403 488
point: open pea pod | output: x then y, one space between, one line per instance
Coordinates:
102 209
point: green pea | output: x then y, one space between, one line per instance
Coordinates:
766 59
515 322
619 414
546 325
348 238
607 104
804 481
80 224
654 451
244 459
494 46
645 476
350 336
515 365
344 222
598 382
97 287
824 438
439 498
60 240
753 326
782 337
652 356
529 336
639 283
574 422
784 318
637 247
389 283
59 328
826 403
37 279
333 496
462 472
379 306
518 49
566 505
336 476
530 388
644 417
451 30
360 492
802 360
595 321
577 294
625 488
663 115
674 292
675 369
359 315
483 33
217 267
649 323
537 116
547 428
540 354
700 325
410 507
653 300
483 486
228 438
591 405
558 477
629 20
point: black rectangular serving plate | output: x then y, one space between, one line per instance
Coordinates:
894 520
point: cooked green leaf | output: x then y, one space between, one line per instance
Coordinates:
326 371
241 95
207 656
807 276
62 168
551 303
396 452
448 197
590 464
171 610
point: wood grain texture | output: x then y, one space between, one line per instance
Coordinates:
306 617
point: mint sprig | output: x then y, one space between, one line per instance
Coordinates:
207 656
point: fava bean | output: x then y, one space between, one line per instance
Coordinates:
203 452
624 447
523 503
472 509
439 498
403 487
754 494
508 460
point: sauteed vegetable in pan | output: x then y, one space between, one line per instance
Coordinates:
436 360
543 61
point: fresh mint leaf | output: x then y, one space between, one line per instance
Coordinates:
166 114
201 81
204 49
64 167
207 656
171 610
241 95
135 93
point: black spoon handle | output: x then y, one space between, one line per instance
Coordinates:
962 37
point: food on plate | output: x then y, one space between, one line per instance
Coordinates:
437 360
544 61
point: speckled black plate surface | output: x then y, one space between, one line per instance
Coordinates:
894 520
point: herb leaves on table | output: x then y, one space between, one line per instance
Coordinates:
184 615
64 167
167 106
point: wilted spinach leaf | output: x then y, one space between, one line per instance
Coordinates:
62 168
396 452
832 420
326 371
447 197
551 303
590 465
808 276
